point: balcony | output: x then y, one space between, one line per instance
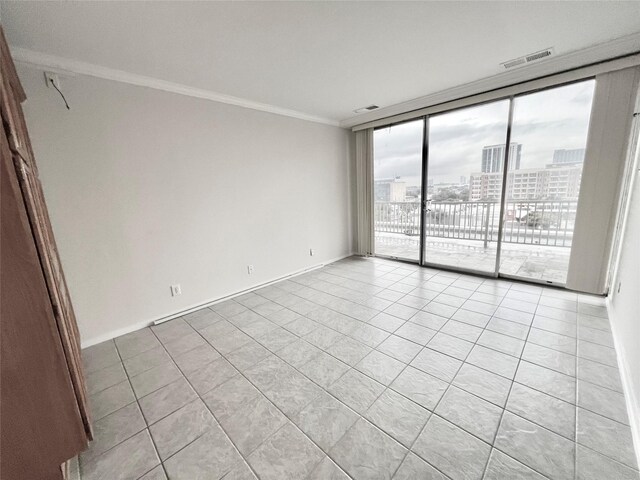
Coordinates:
536 244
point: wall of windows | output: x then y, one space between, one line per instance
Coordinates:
457 197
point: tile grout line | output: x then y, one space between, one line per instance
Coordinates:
530 326
239 372
502 408
524 342
128 380
315 383
199 397
433 412
371 296
141 372
425 346
386 387
249 308
463 361
137 400
450 384
495 435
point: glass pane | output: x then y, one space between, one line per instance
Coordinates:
550 129
397 171
464 175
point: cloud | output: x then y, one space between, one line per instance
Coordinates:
543 122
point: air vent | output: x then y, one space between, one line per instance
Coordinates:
539 55
366 109
514 63
532 57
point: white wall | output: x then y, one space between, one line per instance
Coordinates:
624 309
146 189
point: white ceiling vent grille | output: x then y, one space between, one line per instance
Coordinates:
366 109
532 57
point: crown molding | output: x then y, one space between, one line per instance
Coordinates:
621 46
68 66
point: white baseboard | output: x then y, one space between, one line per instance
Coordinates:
115 333
140 325
208 303
633 402
73 471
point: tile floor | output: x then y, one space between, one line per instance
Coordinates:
366 369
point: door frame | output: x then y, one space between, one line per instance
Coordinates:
425 168
424 119
422 261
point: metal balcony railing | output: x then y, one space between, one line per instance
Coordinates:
544 222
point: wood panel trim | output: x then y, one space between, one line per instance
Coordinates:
33 196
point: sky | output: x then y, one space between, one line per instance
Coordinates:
542 122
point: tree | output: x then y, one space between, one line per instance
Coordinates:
451 194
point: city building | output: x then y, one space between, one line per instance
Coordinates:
493 157
568 156
553 182
390 190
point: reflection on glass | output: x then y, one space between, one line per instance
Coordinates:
397 171
542 186
464 175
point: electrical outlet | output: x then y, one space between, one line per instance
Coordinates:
311 252
176 290
52 79
250 269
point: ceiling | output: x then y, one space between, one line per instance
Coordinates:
322 58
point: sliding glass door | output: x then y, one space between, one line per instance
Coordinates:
469 213
465 165
551 128
397 190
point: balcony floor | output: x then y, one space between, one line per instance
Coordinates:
536 262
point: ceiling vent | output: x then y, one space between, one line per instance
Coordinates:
532 57
366 109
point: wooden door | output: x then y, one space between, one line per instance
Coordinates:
43 393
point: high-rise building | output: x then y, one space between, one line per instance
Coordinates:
557 182
568 156
493 157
